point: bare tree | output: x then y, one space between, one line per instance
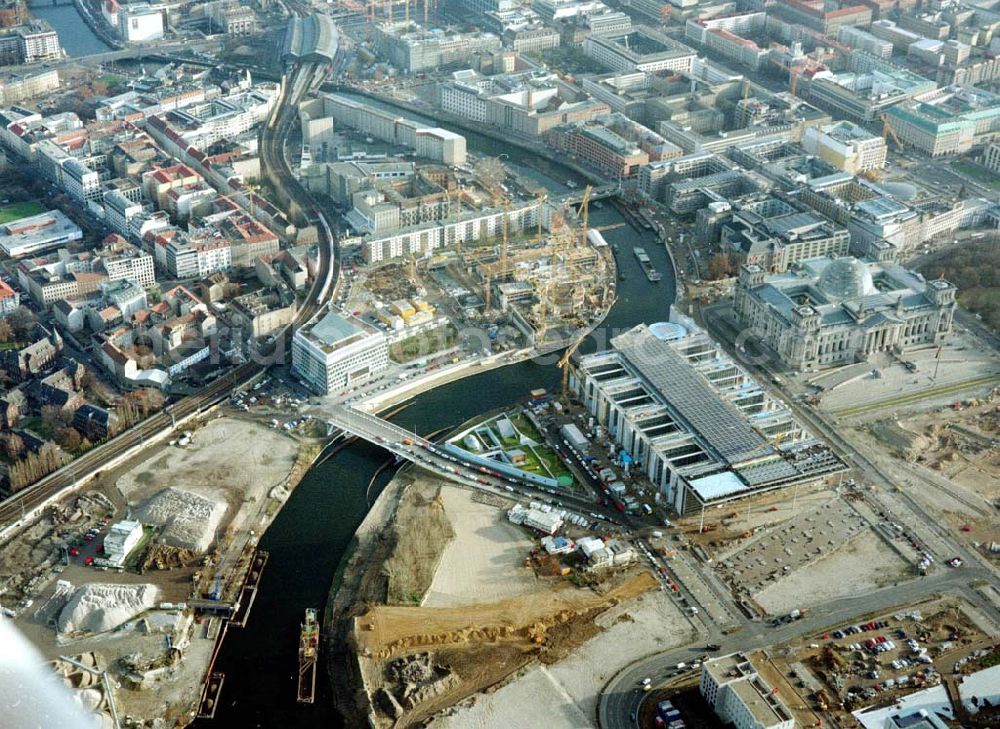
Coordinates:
55 418
22 321
68 439
6 331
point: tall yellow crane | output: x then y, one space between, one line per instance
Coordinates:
564 363
585 214
887 130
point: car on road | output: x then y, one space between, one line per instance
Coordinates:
74 552
88 561
712 647
955 562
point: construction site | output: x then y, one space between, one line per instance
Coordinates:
535 288
135 637
449 603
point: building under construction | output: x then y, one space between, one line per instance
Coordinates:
550 285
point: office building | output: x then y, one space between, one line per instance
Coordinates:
846 146
640 49
730 36
413 49
866 96
37 233
864 41
15 89
693 421
832 311
121 539
773 234
825 16
739 696
599 147
948 121
338 352
991 157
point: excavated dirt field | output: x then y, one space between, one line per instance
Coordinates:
529 620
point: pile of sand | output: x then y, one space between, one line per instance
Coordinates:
189 520
98 607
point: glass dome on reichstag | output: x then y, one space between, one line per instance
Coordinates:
846 278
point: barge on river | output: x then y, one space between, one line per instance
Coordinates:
647 267
308 648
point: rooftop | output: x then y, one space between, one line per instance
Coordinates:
716 420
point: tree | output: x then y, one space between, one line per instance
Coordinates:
54 417
6 331
68 439
22 321
718 266
13 446
35 466
490 172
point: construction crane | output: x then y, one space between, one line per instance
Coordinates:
887 130
585 213
564 363
105 681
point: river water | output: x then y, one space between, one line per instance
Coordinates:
313 529
75 36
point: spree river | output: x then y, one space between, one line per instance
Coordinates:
75 36
310 534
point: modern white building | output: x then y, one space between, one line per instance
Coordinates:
640 49
37 233
137 23
337 352
121 539
80 181
739 696
693 420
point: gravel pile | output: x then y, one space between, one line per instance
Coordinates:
189 520
100 607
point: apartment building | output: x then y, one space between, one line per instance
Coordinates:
121 260
29 42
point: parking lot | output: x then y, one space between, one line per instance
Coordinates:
778 552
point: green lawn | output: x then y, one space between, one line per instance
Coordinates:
422 345
19 210
977 173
